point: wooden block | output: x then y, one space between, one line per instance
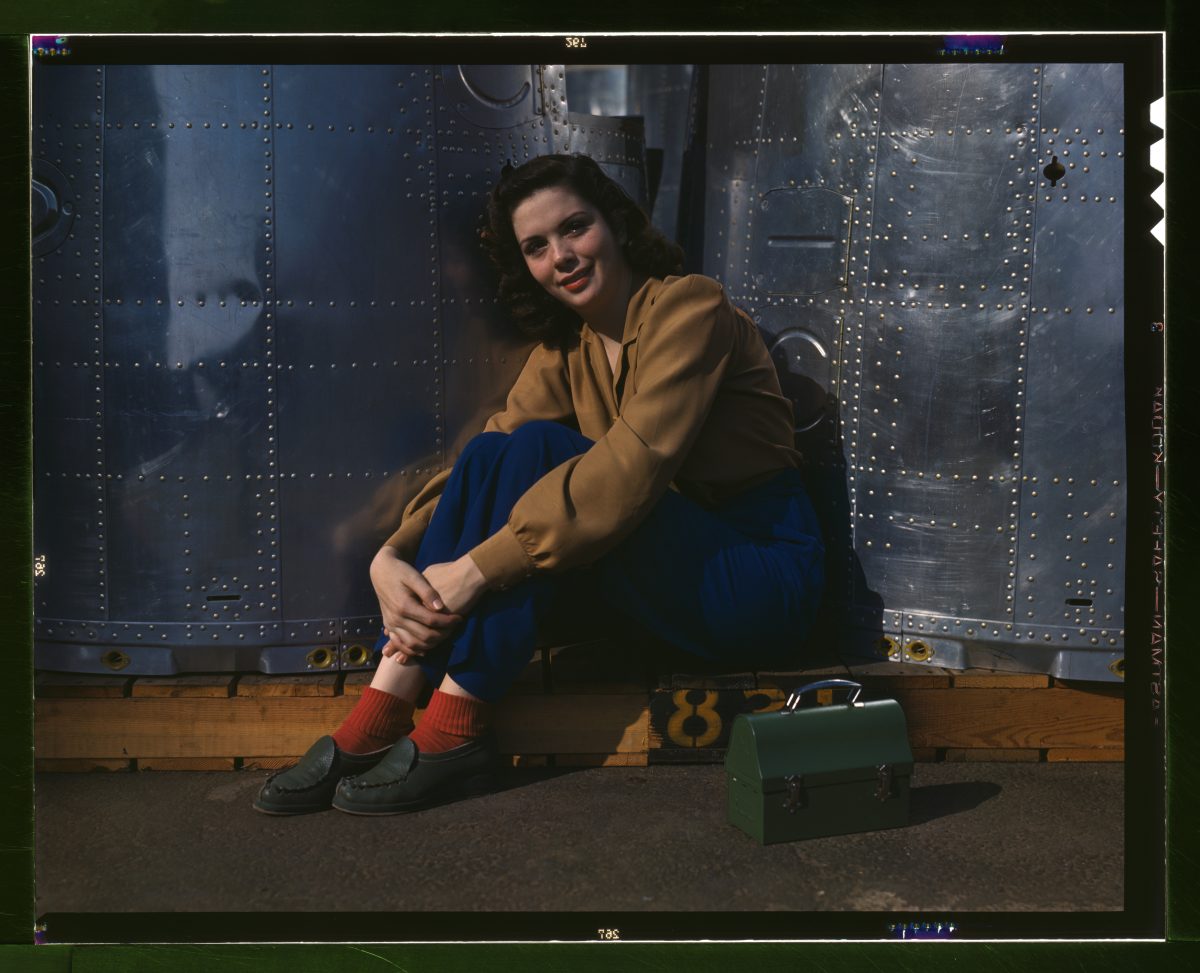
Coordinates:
984 755
81 765
877 676
353 683
70 685
997 679
269 763
600 760
720 680
1092 754
325 684
1004 719
1116 689
281 726
184 726
530 760
926 755
211 685
185 763
556 723
689 719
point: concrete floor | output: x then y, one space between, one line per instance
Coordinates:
983 837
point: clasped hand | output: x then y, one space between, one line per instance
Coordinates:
420 609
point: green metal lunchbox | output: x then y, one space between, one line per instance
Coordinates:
819 770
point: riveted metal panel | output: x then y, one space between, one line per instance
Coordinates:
69 541
340 520
492 96
802 341
70 522
183 214
734 121
659 93
357 390
818 125
937 545
176 540
67 145
1072 540
344 184
952 384
174 97
936 376
188 390
936 415
801 246
472 339
618 145
66 438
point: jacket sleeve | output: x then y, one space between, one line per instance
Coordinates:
542 391
587 505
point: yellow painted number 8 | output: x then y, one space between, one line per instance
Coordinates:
684 709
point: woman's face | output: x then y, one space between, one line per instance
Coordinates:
571 250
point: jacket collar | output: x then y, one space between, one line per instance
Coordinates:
640 302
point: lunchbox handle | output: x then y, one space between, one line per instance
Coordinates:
793 700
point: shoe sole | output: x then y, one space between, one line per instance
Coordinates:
289 812
471 787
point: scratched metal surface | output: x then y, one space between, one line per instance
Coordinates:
265 320
949 326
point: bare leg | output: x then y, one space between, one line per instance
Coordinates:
451 688
404 681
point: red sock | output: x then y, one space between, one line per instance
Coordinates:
378 720
450 721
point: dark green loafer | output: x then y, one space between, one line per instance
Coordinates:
406 779
309 785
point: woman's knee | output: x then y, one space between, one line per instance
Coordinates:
484 447
542 435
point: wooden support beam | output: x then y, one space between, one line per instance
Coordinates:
1090 754
78 765
290 687
205 685
186 763
1011 718
997 755
287 726
70 685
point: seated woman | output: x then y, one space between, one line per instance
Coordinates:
644 462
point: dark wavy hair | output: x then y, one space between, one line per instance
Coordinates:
535 312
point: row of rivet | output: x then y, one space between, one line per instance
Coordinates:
269 277
435 282
252 365
1031 152
203 302
98 339
854 285
228 477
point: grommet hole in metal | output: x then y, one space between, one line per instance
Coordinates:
918 651
321 658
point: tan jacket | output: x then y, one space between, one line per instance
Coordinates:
695 405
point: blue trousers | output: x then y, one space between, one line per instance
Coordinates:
738 584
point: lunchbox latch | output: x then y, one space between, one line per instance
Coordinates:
795 793
884 791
